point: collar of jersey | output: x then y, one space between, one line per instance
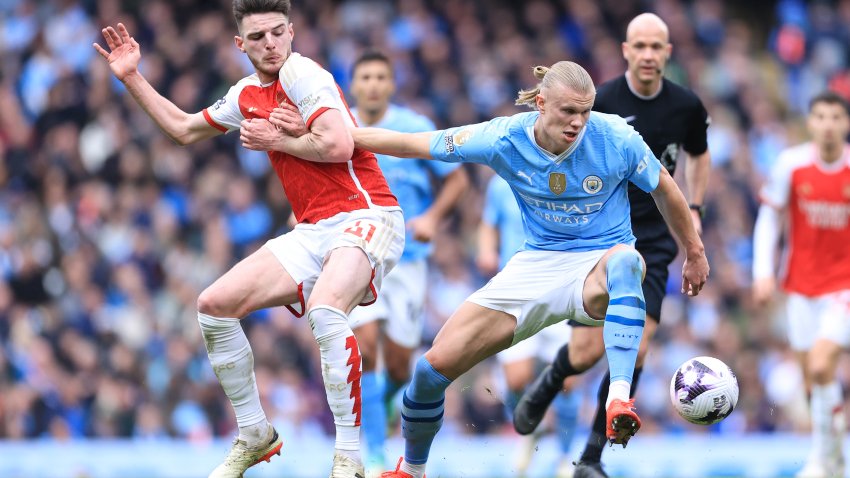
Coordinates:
834 167
644 97
561 157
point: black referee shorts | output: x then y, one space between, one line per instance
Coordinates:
658 254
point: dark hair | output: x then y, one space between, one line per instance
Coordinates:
242 8
371 56
831 98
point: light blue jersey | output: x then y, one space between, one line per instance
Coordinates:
501 211
410 181
576 201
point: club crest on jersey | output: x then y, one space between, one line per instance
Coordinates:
557 183
592 184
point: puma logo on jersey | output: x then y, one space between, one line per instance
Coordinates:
522 174
252 109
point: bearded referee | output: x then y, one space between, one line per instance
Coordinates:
670 118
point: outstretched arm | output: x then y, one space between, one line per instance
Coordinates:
697 171
123 58
326 140
393 143
672 205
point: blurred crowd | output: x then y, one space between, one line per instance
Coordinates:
108 231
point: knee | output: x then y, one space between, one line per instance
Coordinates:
211 303
820 370
625 262
440 365
331 298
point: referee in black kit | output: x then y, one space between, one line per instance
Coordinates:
670 118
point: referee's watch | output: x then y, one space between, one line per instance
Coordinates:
698 208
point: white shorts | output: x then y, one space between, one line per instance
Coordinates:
540 288
822 317
400 304
303 251
543 346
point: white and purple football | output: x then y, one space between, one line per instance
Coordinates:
704 390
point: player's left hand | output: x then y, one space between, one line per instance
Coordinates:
694 273
260 135
423 227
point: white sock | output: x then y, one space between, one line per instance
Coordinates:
827 418
416 471
256 434
619 389
341 371
233 363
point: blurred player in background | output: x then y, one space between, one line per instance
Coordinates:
809 189
570 168
350 230
500 235
670 118
395 320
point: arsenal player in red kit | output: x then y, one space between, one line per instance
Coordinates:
350 230
809 188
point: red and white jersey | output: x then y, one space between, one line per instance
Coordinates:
817 198
316 190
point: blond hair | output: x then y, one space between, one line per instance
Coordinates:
566 74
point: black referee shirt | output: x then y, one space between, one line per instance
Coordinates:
674 118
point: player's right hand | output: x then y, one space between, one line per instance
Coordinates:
694 273
124 53
288 119
763 289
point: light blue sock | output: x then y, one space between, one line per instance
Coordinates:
374 418
422 411
566 418
626 313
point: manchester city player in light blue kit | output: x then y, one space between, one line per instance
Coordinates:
569 169
500 236
395 319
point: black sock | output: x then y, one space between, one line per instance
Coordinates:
561 369
597 440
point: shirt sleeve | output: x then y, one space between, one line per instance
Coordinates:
644 169
439 169
477 143
696 141
310 87
776 190
225 115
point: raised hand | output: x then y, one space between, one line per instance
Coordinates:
124 52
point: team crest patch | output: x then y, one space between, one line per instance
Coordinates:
557 183
462 137
592 184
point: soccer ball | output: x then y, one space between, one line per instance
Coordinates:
704 390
